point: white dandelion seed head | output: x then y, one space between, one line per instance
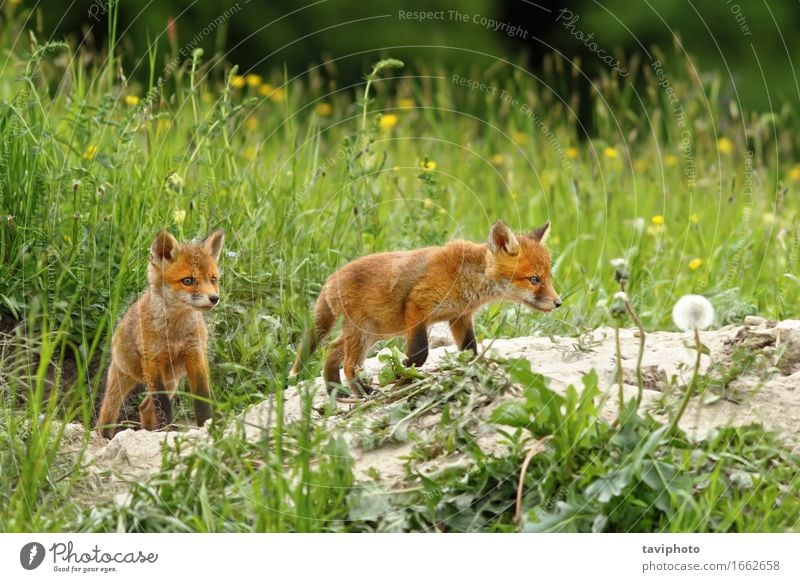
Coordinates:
693 312
619 263
621 295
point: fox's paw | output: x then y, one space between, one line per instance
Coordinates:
355 390
361 388
107 432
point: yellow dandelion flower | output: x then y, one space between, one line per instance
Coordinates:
266 89
405 103
249 153
324 109
253 80
498 160
179 216
572 153
427 203
725 145
611 153
519 137
695 264
163 125
657 220
388 121
90 153
237 82
640 165
131 100
670 160
794 173
427 165
251 123
694 218
278 95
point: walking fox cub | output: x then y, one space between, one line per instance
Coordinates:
403 293
163 336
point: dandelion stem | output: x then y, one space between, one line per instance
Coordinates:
639 379
619 373
692 386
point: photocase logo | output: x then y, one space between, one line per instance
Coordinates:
31 555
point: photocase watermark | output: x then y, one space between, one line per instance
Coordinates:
553 500
791 265
342 154
186 50
510 30
31 555
741 19
65 558
685 144
569 20
100 8
744 231
520 106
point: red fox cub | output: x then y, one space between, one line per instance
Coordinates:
403 293
163 336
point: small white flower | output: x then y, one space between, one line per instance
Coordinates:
693 312
231 254
174 182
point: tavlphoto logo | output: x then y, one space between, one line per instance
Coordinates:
31 555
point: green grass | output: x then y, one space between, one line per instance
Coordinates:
88 178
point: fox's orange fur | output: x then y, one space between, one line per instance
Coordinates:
403 293
163 336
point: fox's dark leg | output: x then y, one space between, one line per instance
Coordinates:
356 345
464 334
417 349
118 386
155 411
332 364
416 337
197 373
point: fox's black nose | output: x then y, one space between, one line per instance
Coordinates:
214 299
557 303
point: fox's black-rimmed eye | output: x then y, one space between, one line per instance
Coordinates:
535 280
213 280
188 281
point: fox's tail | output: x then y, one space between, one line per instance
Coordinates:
324 318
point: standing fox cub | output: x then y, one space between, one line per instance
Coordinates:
403 293
163 336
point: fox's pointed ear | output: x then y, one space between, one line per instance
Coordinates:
213 243
502 239
540 234
164 248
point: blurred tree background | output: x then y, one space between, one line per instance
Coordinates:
750 43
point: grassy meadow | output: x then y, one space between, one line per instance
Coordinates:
99 152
